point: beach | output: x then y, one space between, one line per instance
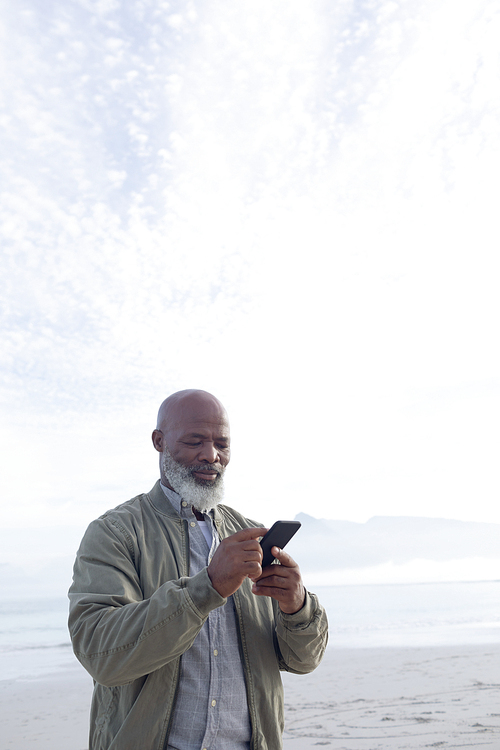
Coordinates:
358 699
397 698
47 712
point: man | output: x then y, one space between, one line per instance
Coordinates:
172 614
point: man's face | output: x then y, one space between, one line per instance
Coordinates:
195 451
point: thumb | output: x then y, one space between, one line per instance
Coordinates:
283 557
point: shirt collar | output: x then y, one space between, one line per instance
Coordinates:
176 501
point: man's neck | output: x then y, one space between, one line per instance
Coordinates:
199 516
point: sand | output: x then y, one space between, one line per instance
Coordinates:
388 698
47 713
358 699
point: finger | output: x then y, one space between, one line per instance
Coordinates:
276 592
274 582
252 533
274 570
283 558
252 556
251 544
253 570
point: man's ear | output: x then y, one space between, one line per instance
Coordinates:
157 438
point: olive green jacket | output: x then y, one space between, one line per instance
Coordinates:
134 610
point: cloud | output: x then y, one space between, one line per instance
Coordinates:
292 205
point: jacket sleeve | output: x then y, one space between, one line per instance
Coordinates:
117 634
302 637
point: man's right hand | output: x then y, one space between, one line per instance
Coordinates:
239 556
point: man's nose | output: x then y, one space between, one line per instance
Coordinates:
209 453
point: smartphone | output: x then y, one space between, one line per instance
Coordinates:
278 535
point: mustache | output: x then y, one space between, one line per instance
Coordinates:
217 467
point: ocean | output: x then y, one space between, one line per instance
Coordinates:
425 614
34 638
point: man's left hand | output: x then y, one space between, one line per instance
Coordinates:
282 582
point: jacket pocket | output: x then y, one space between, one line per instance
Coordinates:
105 699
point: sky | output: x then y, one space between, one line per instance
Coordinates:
292 205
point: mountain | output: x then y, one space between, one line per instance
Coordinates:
323 544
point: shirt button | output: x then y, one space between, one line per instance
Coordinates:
184 504
214 703
215 652
193 523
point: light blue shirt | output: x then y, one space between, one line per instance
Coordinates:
211 710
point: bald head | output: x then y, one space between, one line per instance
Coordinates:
188 405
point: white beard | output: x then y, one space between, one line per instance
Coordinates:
202 494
